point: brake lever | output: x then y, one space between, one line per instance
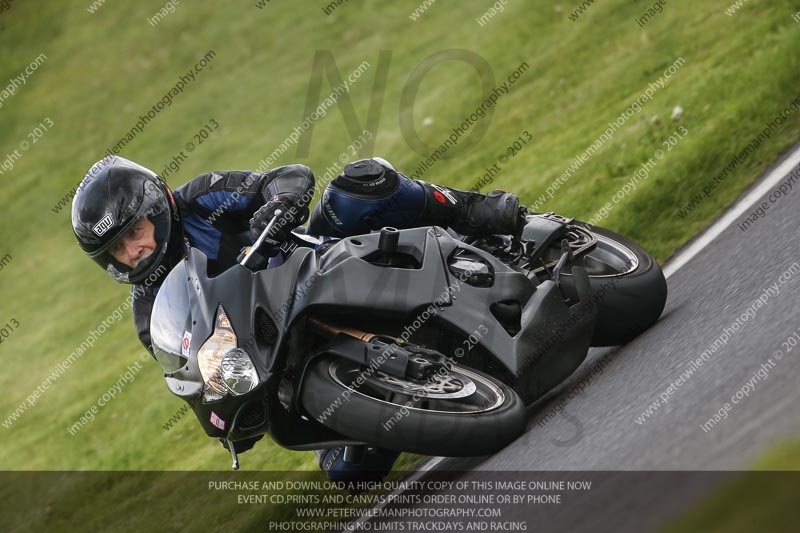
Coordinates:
234 455
260 241
566 257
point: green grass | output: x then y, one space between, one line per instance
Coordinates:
104 70
763 499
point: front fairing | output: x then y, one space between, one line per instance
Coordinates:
183 318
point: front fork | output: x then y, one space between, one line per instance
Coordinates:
407 361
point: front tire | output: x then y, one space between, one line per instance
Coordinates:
633 297
479 418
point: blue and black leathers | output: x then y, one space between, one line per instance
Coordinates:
368 195
371 194
373 465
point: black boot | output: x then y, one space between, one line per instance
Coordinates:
469 212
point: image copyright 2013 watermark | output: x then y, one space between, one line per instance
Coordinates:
33 137
606 137
86 344
166 101
749 387
516 146
8 329
182 156
166 10
468 129
495 9
640 175
780 192
728 332
125 379
439 376
656 9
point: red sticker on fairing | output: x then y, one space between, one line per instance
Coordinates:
439 197
186 343
217 421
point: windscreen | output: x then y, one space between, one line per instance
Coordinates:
170 321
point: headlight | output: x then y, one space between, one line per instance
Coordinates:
224 366
238 372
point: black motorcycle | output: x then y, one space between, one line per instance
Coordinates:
417 340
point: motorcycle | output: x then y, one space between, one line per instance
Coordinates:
418 340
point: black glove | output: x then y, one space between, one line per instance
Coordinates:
293 213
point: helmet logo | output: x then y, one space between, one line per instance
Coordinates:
104 225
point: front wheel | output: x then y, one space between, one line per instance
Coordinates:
628 285
457 413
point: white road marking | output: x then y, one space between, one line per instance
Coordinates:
733 213
424 467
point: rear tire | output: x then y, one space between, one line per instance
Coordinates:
396 426
632 301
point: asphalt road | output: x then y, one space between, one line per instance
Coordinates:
590 422
710 293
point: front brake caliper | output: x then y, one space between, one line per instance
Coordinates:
423 362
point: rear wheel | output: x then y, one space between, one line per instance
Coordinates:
458 413
628 283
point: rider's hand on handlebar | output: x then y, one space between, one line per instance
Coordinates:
293 213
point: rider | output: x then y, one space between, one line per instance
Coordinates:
129 222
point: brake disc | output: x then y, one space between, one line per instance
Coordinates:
439 387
